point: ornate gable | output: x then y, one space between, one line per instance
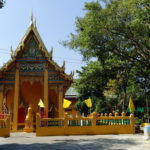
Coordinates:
32 56
32 50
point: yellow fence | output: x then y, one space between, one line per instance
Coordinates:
5 126
85 125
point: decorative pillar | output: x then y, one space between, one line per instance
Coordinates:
16 101
46 90
60 101
1 98
132 124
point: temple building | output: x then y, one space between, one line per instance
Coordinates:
71 95
31 75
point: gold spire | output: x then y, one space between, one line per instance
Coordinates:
31 18
34 21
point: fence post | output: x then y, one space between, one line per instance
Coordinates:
94 122
37 123
132 124
110 116
116 120
123 116
8 125
66 124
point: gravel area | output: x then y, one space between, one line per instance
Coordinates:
28 141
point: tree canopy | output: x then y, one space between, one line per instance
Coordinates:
122 27
118 36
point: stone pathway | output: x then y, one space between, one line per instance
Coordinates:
28 141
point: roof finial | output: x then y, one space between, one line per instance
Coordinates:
71 74
11 52
31 18
34 21
63 66
51 53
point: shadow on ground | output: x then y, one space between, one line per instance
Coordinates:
98 144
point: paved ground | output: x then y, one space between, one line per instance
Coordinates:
25 141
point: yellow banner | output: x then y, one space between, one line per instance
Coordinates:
131 105
41 104
88 102
66 103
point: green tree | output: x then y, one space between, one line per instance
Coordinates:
92 81
122 27
117 35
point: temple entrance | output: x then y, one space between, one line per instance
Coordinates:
30 93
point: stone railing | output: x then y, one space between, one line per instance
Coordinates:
103 124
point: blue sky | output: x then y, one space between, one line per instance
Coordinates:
55 20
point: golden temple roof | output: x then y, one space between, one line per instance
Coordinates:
32 28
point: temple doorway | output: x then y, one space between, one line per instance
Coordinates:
30 93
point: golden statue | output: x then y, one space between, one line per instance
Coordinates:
29 120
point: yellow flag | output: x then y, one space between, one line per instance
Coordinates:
131 105
66 103
41 104
88 102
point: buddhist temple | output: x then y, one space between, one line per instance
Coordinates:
31 75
